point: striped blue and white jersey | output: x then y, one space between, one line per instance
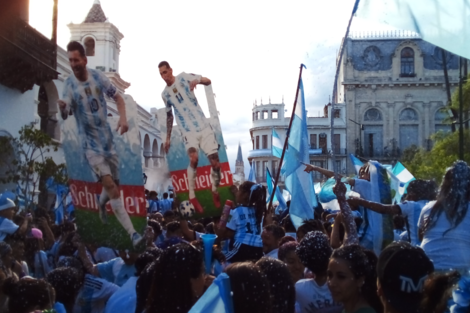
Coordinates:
188 113
88 105
94 294
242 220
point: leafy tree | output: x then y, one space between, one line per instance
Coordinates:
26 163
433 164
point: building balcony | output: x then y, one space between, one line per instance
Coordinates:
260 153
26 56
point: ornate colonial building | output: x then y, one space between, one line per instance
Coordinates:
266 117
394 89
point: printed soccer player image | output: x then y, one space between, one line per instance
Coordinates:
179 96
84 98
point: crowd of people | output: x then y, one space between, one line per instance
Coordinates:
326 265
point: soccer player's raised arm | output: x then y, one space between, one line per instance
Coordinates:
121 106
169 127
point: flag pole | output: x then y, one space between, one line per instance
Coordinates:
287 137
335 98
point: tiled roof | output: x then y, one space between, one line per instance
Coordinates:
96 14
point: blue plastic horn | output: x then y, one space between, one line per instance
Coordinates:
208 241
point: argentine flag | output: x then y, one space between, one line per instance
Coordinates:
298 182
252 175
443 23
277 146
402 173
217 298
277 195
356 162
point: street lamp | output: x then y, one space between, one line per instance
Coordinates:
361 128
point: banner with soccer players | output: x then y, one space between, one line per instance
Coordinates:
196 155
106 185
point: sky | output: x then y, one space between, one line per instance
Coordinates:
251 50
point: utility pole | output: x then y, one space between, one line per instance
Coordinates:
461 109
446 77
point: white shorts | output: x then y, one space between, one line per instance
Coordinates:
102 166
205 139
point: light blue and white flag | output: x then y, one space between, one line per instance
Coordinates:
443 23
298 182
252 175
217 298
400 171
277 195
277 145
356 162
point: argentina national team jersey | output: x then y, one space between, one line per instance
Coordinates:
189 115
242 220
88 105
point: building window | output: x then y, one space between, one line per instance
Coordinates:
337 113
265 166
322 142
264 142
274 114
338 166
257 143
317 175
313 141
442 121
259 170
373 115
407 58
89 47
337 143
257 115
409 129
274 168
265 115
253 116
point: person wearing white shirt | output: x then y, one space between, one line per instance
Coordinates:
446 238
313 294
271 236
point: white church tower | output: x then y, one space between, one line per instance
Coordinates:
101 40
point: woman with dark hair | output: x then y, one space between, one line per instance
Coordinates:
178 280
28 294
281 286
287 255
244 224
308 226
312 294
446 239
250 288
35 255
352 280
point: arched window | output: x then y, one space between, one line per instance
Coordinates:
373 115
155 155
442 121
89 47
407 58
409 128
373 133
147 150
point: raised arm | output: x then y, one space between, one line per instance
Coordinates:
199 81
376 207
349 224
169 127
